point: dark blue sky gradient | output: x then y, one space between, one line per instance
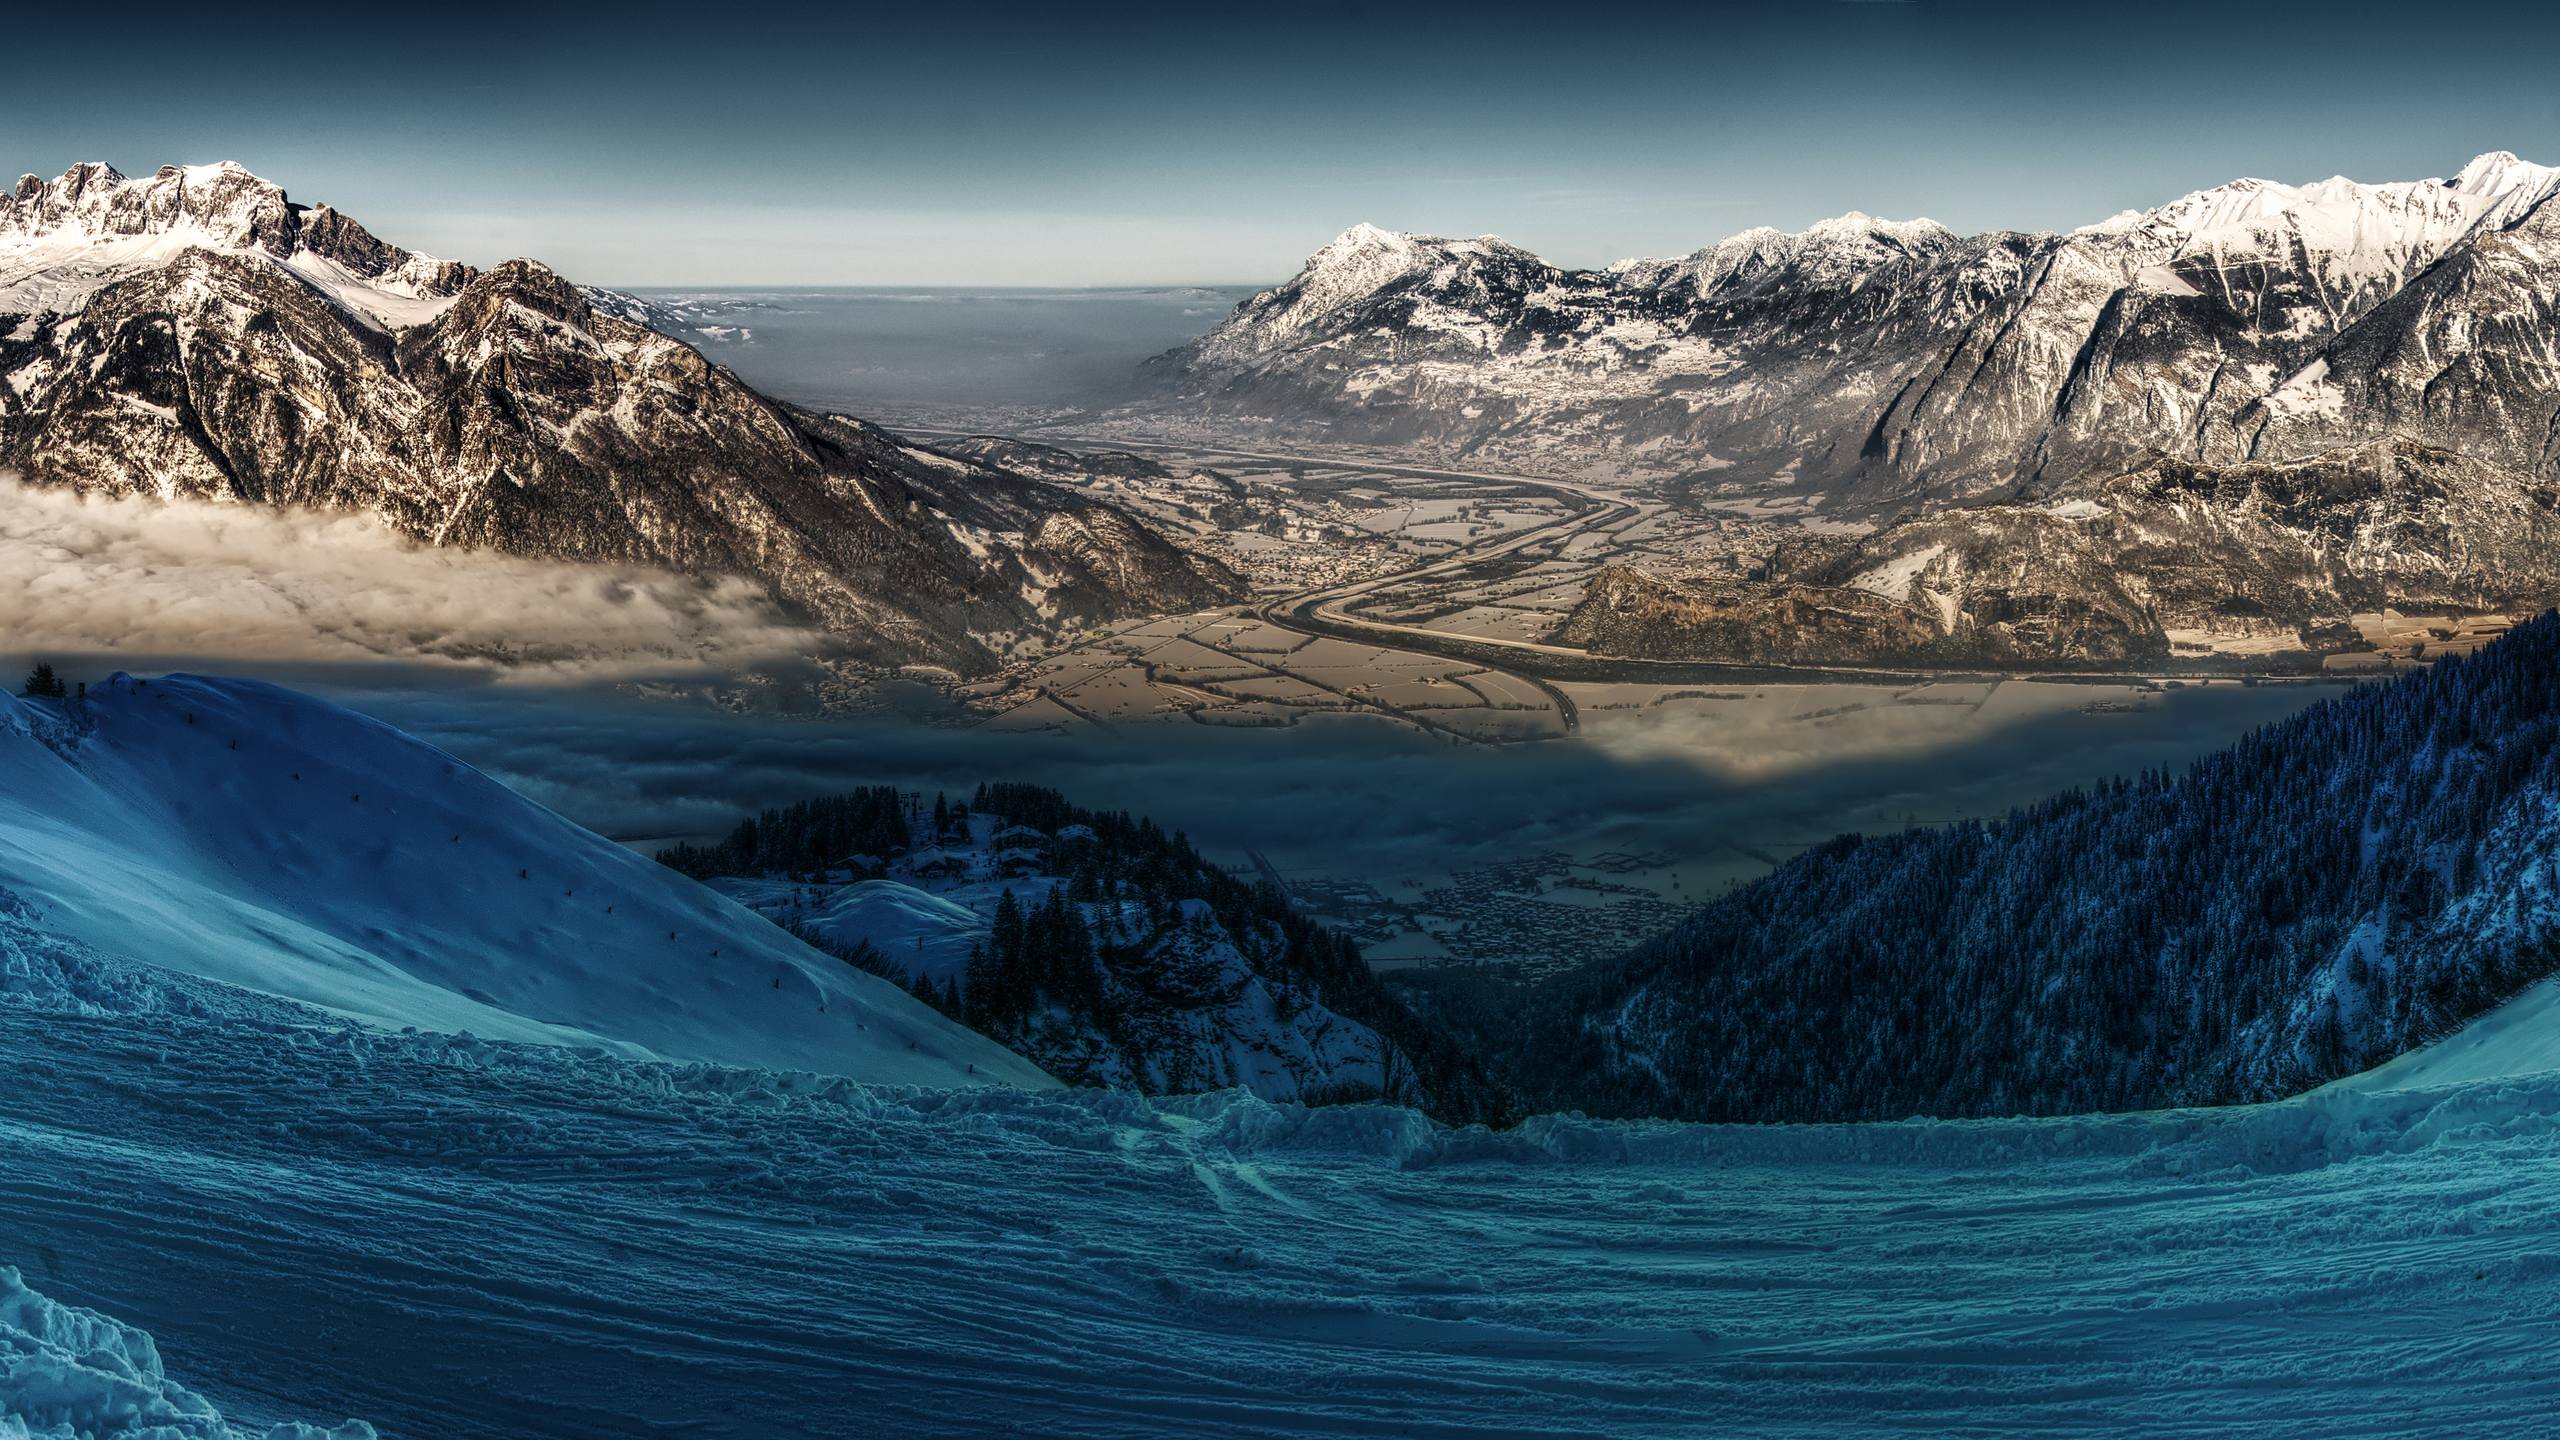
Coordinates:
1001 144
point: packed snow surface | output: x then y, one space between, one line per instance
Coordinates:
448 1236
244 832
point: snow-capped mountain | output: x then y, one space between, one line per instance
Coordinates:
250 835
1842 248
1883 362
63 240
196 334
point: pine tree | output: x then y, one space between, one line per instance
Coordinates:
43 684
982 1001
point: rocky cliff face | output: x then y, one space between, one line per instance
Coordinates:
1886 364
195 335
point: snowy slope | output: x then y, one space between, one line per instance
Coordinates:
2518 1039
453 1239
74 1374
246 833
2357 241
1842 248
2336 889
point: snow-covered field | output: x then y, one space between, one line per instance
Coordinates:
451 1237
232 1210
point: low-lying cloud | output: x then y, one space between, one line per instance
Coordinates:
97 575
1367 801
337 605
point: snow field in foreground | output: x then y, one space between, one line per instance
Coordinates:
72 1374
450 1236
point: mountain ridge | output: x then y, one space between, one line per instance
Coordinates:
1887 363
2116 568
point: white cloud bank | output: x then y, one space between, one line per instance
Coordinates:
151 578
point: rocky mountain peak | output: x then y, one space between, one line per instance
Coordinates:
526 280
1365 237
1350 271
2497 172
199 337
1363 258
2371 230
2507 185
1843 247
1367 257
224 203
61 240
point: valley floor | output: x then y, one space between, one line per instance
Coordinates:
451 1237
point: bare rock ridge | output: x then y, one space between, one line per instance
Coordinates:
196 335
62 239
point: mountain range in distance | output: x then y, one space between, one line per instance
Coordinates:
195 334
2257 410
2228 425
1882 361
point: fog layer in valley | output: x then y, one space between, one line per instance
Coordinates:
242 587
555 678
1723 794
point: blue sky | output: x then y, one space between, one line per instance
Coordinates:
996 144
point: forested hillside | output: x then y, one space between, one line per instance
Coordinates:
1096 943
2330 892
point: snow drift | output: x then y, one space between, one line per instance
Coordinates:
73 1374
